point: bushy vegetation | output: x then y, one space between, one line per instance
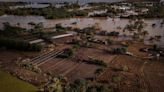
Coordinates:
10 39
29 66
125 68
1 12
86 31
105 33
53 86
10 43
116 79
11 31
121 50
67 53
113 33
110 41
156 11
81 85
4 7
49 12
92 60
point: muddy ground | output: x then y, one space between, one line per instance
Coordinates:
142 75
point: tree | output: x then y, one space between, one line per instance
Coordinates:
110 41
103 88
55 86
81 85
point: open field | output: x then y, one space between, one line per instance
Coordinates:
12 84
84 53
153 73
70 69
142 75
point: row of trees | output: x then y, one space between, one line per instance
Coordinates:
82 85
11 37
10 43
79 85
156 11
95 61
49 12
121 50
9 30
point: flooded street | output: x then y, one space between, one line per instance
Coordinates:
107 24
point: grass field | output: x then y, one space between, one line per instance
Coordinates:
12 84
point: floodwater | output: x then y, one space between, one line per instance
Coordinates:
60 1
107 24
30 6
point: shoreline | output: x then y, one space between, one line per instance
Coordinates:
77 17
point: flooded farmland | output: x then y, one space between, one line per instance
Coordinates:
107 24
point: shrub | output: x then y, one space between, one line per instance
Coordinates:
76 46
30 66
116 78
113 33
67 53
110 42
125 68
96 61
10 43
121 50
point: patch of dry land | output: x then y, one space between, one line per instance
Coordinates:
124 73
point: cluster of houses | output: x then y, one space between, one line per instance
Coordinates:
128 9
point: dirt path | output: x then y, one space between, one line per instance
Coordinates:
144 83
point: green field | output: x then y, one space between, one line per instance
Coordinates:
12 84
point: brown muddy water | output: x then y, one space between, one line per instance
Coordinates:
107 24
